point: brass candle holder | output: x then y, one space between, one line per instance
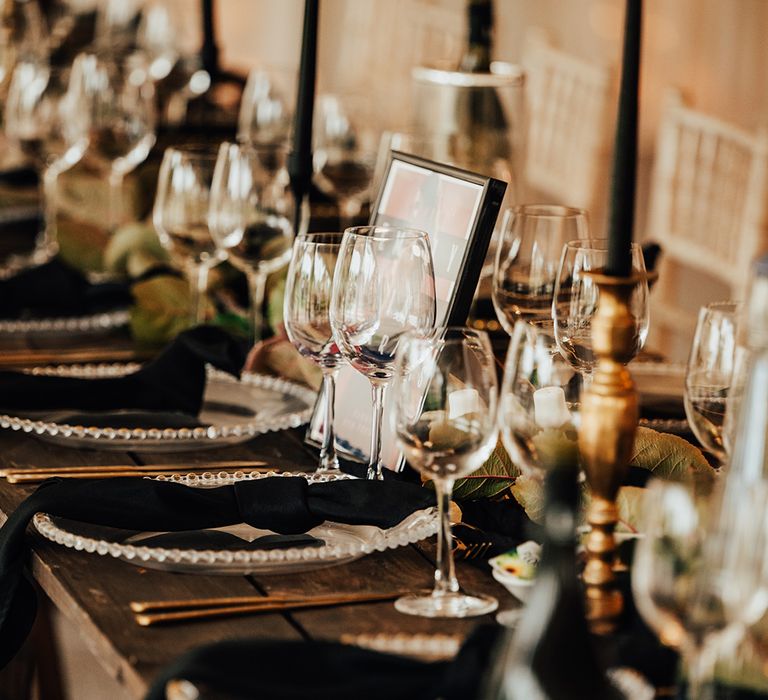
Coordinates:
609 416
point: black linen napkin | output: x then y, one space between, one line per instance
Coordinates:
247 669
287 505
174 381
56 289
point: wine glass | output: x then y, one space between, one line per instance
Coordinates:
345 154
576 296
307 302
180 215
699 572
122 119
156 37
43 116
709 372
251 215
539 405
265 114
528 257
444 417
383 287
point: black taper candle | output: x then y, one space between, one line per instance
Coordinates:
300 160
209 54
622 205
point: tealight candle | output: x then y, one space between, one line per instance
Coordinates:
550 408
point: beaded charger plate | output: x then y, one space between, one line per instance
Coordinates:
233 411
93 323
329 544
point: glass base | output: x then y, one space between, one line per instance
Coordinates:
449 605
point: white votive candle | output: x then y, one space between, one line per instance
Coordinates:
550 409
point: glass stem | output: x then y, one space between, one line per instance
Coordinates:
257 286
445 574
374 462
701 663
198 286
349 210
328 459
115 199
47 241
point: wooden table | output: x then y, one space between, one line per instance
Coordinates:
93 592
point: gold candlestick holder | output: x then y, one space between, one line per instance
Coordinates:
609 416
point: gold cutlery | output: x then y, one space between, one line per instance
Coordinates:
203 608
27 475
21 358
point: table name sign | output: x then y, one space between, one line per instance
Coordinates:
458 209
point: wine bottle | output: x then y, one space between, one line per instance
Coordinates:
550 655
477 58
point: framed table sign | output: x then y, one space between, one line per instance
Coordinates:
458 209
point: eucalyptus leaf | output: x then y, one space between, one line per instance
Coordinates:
162 309
668 456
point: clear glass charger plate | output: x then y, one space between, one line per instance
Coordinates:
340 543
90 324
233 411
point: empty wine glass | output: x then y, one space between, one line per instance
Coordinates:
699 573
265 109
251 215
528 258
539 404
709 372
122 119
180 215
444 416
306 315
576 295
156 37
345 153
44 116
383 287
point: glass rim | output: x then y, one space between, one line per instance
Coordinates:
441 330
257 146
600 244
370 232
198 150
549 211
330 238
723 306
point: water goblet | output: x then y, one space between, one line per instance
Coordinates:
44 116
444 415
699 572
383 287
709 373
345 154
307 302
265 115
528 258
539 402
251 215
180 216
122 118
576 296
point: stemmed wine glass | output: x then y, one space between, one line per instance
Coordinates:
306 315
444 416
122 119
709 373
44 116
383 287
251 215
699 572
180 215
539 404
528 258
345 154
576 295
265 115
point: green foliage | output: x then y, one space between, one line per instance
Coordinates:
490 480
161 311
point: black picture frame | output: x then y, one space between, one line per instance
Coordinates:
462 275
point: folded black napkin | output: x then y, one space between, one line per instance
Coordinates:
247 669
56 289
287 505
174 381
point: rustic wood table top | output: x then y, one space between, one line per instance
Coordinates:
93 592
